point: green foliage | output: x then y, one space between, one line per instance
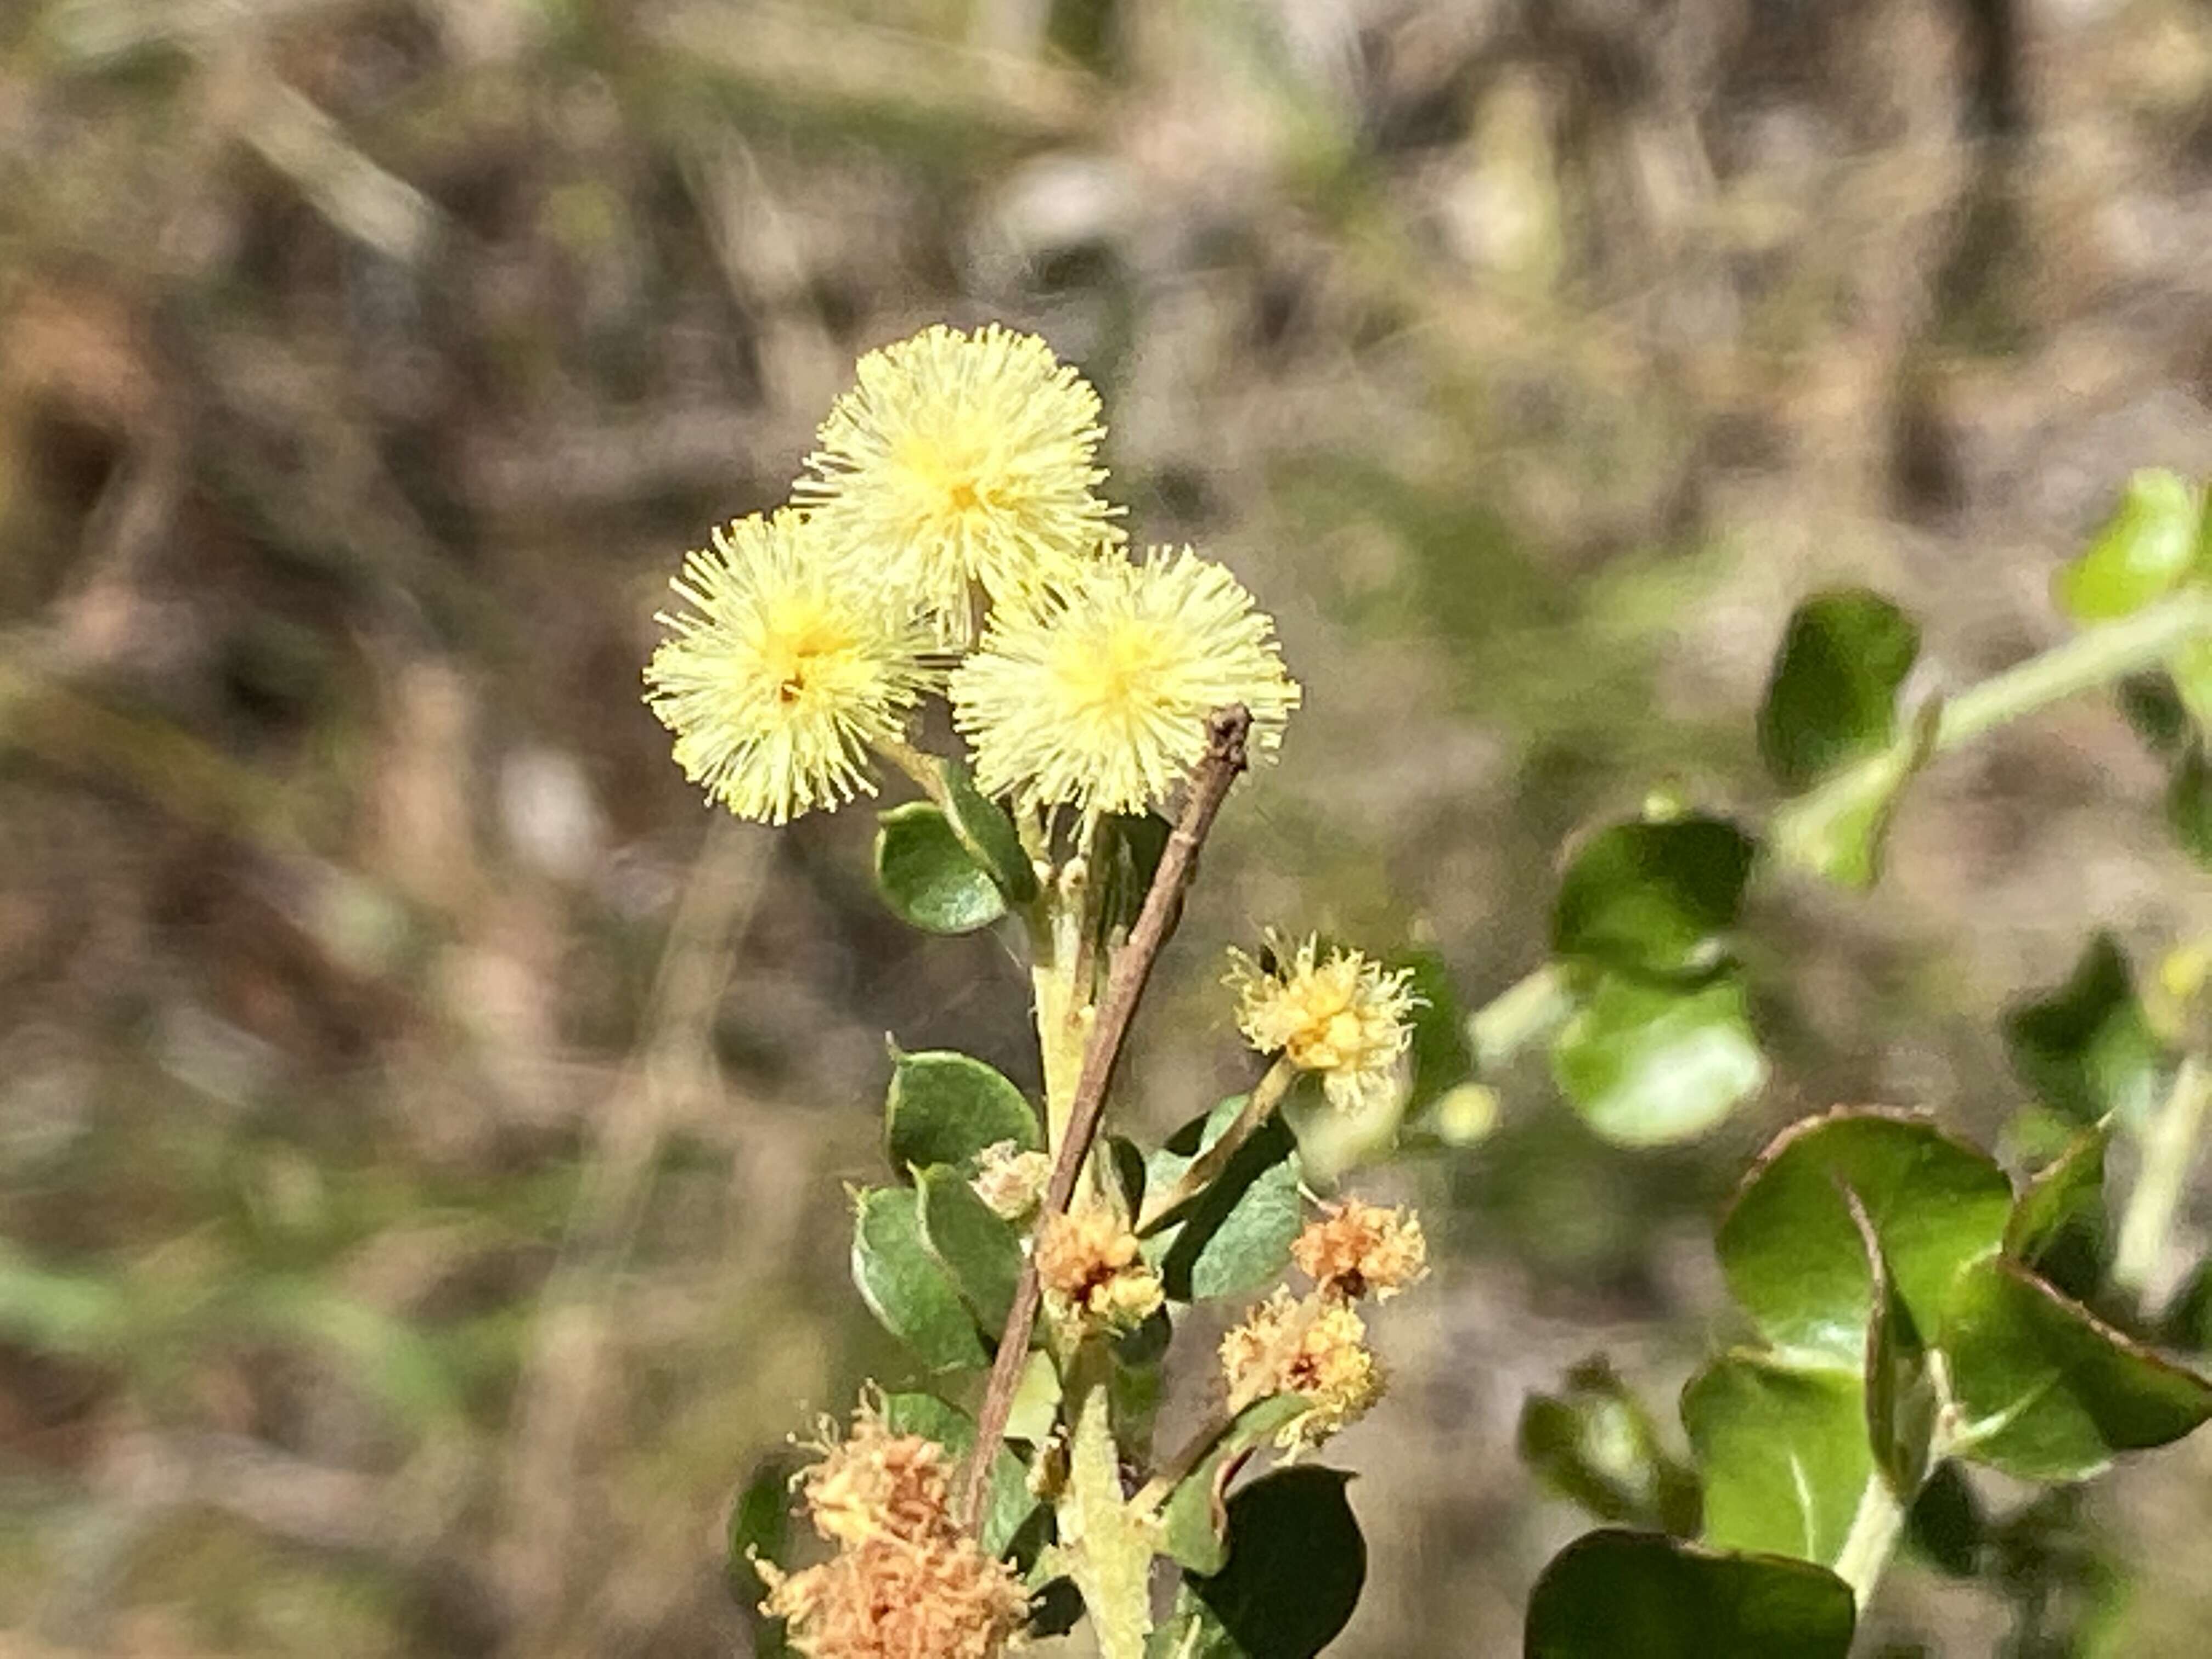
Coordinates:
1611 1594
2058 1226
1793 1253
2046 1392
1194 1521
1831 698
1653 900
2147 549
981 1252
986 832
1784 1453
1295 1566
1650 1064
2088 1048
1236 1237
929 876
906 1286
944 1108
1595 1444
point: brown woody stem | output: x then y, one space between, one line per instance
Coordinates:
1225 758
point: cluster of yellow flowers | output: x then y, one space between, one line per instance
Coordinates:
1091 1268
1314 1347
1343 1018
947 538
906 1582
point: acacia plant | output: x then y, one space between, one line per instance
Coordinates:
949 599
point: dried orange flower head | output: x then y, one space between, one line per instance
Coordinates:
1316 1349
938 1597
1345 1018
1359 1249
1088 1265
874 1483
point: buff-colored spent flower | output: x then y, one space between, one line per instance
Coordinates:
1091 1271
1095 693
1361 1249
1345 1019
875 1483
962 465
1009 1181
939 1597
782 672
1316 1349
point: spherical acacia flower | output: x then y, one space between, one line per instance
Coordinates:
1360 1249
1316 1349
962 465
782 672
1345 1019
1090 1270
1095 692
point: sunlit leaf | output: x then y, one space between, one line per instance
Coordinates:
1831 698
1236 1237
1647 1064
981 1252
1783 1452
928 878
907 1288
2143 552
1653 899
944 1108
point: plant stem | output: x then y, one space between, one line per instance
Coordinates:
1259 1106
1874 1535
1109 1551
2169 1147
1125 987
1521 1014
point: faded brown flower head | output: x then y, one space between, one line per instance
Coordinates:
938 1598
1316 1349
1090 1266
874 1483
1359 1250
906 1582
1009 1181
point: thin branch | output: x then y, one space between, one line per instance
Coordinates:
1133 967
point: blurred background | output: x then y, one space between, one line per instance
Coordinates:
423 1124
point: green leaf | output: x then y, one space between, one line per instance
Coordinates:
1236 1237
1638 1595
1594 1445
2087 1049
2189 803
1792 1251
2044 1391
1296 1565
1838 830
986 832
983 1253
906 1287
1783 1454
2057 1224
1010 1503
2143 552
944 1108
1901 1401
1648 1064
761 1528
1833 696
1127 856
1194 1521
1653 898
929 879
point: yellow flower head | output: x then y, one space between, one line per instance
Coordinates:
873 1482
1344 1019
939 1597
1359 1250
1097 692
960 463
782 673
1088 1265
1316 1349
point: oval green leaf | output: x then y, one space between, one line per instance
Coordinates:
1793 1254
1653 898
983 1253
1296 1563
1648 1064
2045 1391
928 878
946 1106
986 832
1784 1453
1609 1594
1833 696
906 1287
1235 1237
2143 552
2087 1049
